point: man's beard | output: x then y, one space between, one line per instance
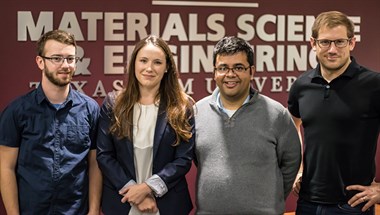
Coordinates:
55 80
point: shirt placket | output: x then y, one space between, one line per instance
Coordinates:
56 145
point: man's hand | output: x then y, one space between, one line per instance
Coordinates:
369 194
297 184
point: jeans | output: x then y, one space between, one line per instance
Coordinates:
310 208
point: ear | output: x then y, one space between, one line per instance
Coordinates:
352 43
252 71
214 73
313 43
40 62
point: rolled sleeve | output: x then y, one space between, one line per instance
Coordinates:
157 185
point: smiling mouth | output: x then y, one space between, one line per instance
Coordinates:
332 56
148 74
231 83
64 73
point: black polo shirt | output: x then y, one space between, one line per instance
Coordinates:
341 122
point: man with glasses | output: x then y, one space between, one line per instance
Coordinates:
338 105
247 147
47 140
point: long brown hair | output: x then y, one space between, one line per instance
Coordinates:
177 104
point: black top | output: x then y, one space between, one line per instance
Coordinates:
341 121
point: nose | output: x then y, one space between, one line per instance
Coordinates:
149 66
65 63
332 47
230 72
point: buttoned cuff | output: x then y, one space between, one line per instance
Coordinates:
157 185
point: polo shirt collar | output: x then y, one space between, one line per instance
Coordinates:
350 71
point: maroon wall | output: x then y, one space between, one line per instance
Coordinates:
107 30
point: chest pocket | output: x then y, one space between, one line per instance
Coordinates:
78 138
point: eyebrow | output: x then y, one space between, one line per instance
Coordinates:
59 55
236 64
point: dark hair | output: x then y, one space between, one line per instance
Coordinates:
57 35
332 19
170 94
232 45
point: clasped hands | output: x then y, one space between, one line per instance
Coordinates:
141 196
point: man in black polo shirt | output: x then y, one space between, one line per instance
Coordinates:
338 104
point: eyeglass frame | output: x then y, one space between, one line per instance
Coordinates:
348 40
231 69
62 59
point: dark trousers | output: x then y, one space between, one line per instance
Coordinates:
310 208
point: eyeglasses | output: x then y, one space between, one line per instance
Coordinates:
340 43
235 69
58 60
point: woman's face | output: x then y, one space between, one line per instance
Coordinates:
150 67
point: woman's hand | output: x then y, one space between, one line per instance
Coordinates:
148 205
135 194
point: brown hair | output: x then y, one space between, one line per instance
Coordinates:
332 19
177 104
57 35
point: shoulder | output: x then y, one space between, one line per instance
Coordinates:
204 100
202 108
109 102
81 100
112 97
364 71
305 76
270 103
81 97
189 99
23 101
302 80
273 110
366 79
20 108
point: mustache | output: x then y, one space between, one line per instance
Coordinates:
66 71
332 54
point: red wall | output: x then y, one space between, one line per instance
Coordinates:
278 31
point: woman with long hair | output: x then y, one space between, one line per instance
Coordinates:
146 137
